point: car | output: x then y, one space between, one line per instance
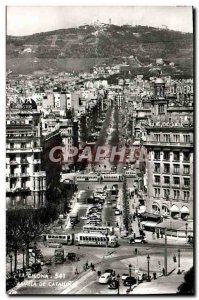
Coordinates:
84 217
129 281
105 278
113 284
110 271
139 240
48 262
117 212
124 276
36 267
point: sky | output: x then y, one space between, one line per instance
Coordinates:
25 20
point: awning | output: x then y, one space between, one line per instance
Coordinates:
175 209
184 210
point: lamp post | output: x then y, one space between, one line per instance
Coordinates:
148 262
23 252
179 271
118 282
10 263
106 234
35 248
130 268
186 225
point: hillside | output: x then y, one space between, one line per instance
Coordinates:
82 47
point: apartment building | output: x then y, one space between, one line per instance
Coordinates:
25 181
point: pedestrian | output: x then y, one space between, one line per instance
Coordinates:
76 271
98 273
163 271
154 275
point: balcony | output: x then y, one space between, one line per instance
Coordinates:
24 189
176 185
14 175
13 162
24 175
176 172
166 184
37 161
24 161
186 187
157 184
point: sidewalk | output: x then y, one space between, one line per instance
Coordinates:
162 285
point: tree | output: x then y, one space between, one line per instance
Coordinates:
188 286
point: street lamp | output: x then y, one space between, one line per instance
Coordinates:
130 268
179 271
35 248
23 252
118 282
106 234
148 261
10 264
186 230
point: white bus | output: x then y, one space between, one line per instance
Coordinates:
66 239
96 239
112 177
130 173
98 229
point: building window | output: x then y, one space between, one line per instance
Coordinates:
176 180
161 108
166 138
166 179
156 137
166 193
176 169
166 168
157 155
186 156
186 170
12 145
157 168
186 138
156 192
157 179
176 138
166 155
23 145
176 194
186 181
176 156
186 195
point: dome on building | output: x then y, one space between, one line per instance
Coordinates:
159 81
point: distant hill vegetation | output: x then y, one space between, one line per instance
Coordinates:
103 44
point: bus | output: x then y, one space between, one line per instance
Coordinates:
98 229
66 239
87 177
130 173
96 239
112 177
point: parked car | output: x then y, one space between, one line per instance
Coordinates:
109 271
124 276
36 267
105 278
117 212
129 281
113 284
